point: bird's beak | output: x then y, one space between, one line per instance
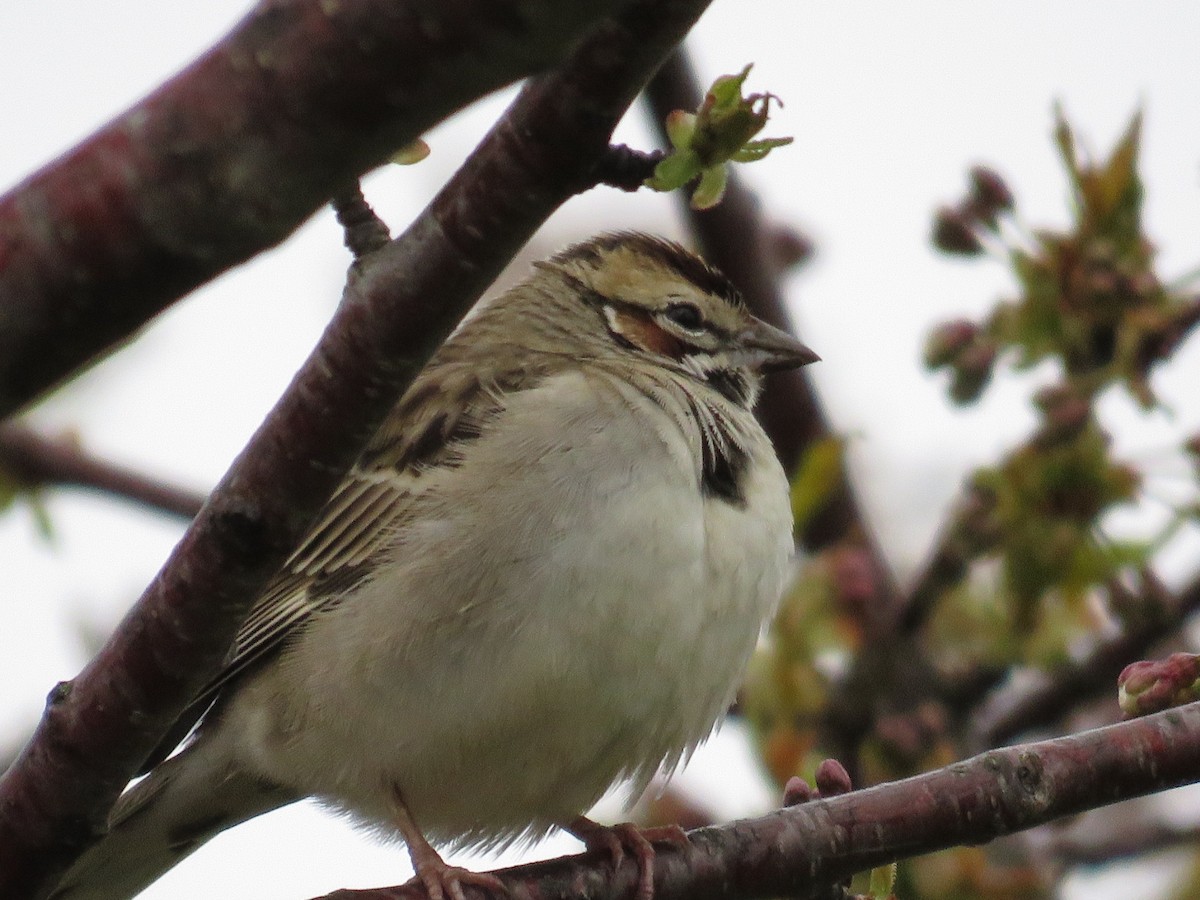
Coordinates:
769 349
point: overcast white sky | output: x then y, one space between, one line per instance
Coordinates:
889 104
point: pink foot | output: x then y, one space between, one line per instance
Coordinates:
617 840
440 879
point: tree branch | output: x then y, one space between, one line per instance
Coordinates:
1048 698
37 461
235 152
799 851
401 301
625 168
1123 841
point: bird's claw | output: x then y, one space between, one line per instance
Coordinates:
618 840
440 880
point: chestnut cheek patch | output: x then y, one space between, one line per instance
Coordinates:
640 330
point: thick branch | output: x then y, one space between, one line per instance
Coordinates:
399 305
796 852
37 461
235 152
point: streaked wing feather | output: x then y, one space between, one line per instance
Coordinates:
353 526
445 407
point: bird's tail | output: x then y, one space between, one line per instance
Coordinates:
181 804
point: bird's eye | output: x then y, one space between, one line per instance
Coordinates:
685 315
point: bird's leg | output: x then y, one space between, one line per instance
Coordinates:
616 840
438 878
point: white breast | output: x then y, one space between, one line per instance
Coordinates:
566 611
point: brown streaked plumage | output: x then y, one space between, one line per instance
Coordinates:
542 578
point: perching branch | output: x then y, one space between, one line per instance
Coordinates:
37 461
235 152
799 851
400 303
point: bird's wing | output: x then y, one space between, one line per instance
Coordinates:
444 409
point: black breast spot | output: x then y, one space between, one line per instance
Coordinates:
723 475
730 384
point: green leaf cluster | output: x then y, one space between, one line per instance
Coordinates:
1088 296
721 131
1047 502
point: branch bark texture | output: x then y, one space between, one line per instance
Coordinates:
235 152
399 304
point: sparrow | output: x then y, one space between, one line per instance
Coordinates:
542 578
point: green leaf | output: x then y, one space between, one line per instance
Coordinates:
10 490
711 188
726 91
1120 174
681 125
675 171
1065 138
411 154
883 882
816 478
756 150
41 515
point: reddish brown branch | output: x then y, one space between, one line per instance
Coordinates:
404 300
364 232
36 461
797 851
625 168
234 153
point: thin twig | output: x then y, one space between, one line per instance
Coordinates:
625 168
34 460
364 232
1043 699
